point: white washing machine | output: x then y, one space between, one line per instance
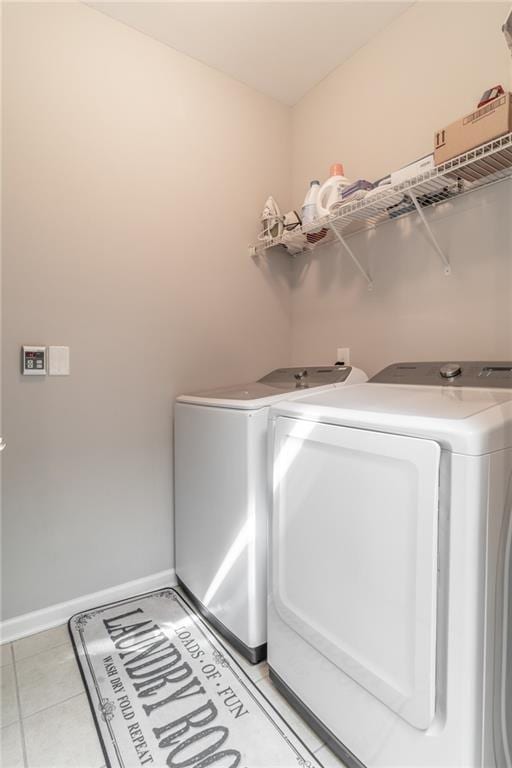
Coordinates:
390 611
222 498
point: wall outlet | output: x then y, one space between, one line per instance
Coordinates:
343 355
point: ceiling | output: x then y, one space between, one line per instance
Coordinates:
282 49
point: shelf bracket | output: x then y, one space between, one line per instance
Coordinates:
431 236
352 255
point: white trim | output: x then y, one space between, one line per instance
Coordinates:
54 615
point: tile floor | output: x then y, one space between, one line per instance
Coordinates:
45 717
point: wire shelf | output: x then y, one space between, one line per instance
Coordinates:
482 166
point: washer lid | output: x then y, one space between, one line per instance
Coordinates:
273 386
465 420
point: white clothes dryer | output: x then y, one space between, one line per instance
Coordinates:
222 498
390 595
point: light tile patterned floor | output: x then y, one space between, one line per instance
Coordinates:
45 717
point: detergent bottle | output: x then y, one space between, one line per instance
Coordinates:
309 209
331 190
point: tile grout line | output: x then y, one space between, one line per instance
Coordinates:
38 653
55 704
18 700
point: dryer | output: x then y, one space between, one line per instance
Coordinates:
222 501
390 595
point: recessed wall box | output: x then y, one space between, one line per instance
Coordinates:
33 361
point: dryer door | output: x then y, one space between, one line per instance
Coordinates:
354 555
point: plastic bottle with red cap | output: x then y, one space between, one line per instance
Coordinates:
331 190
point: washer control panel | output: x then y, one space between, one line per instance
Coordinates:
311 376
33 361
486 375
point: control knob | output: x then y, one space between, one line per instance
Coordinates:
450 370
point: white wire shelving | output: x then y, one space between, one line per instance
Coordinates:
480 167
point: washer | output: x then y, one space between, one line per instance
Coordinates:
390 611
221 497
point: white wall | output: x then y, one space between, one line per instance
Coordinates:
375 113
133 177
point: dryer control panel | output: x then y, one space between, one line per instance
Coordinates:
486 375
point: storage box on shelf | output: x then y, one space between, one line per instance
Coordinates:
490 120
479 167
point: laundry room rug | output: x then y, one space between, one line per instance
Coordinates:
166 693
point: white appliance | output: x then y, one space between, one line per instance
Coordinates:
390 610
222 499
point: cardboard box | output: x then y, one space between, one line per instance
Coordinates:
482 125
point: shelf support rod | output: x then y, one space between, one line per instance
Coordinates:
431 236
352 255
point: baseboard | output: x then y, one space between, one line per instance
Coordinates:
46 618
